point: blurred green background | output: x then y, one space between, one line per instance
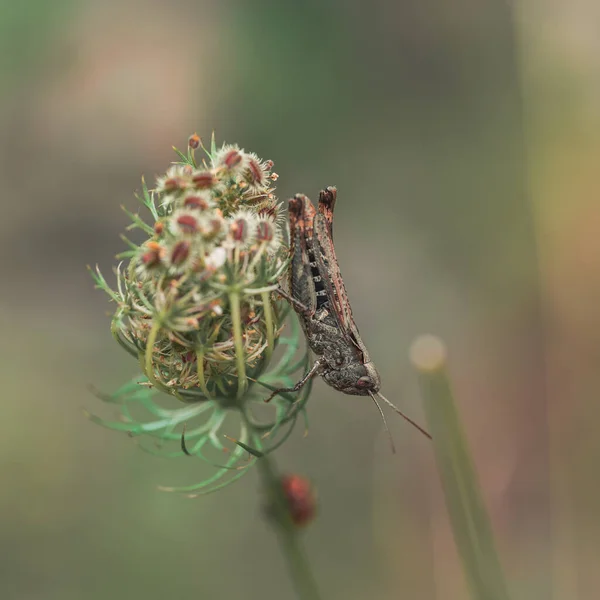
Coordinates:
464 139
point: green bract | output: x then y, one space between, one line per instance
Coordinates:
195 307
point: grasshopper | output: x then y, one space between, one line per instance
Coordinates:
318 295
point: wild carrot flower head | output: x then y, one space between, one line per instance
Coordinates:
194 303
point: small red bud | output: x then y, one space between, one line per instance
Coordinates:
174 183
180 252
194 141
151 258
232 159
204 180
256 173
239 230
195 202
264 231
187 223
301 498
159 227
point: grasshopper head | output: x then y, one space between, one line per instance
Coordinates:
368 382
356 379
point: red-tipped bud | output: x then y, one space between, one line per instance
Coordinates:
173 183
232 159
257 175
204 180
159 227
239 230
196 202
180 252
187 223
301 498
264 231
194 141
152 256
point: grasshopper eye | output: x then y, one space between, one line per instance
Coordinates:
364 382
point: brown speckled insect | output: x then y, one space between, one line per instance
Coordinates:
317 293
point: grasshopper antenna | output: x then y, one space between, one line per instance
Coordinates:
384 423
425 433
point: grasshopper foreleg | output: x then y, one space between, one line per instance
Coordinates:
311 373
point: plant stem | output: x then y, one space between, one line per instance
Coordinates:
299 568
147 365
200 371
470 522
236 319
268 312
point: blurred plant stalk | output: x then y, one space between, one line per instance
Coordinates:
281 505
469 519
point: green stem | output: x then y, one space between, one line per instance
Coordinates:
268 312
200 371
147 364
469 519
298 565
240 357
149 367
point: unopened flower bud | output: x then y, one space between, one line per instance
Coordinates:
239 230
153 255
196 201
242 228
257 175
232 159
264 231
173 183
204 180
301 498
180 252
194 141
185 222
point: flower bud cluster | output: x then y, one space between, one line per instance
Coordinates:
204 275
